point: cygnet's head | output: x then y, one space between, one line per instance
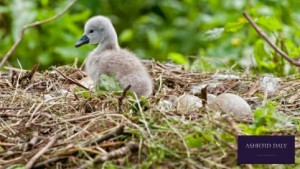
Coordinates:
98 29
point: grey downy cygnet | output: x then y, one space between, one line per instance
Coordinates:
108 58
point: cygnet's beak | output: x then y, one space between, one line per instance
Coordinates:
83 40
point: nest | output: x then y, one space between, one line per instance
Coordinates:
48 120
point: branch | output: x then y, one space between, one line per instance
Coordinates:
265 37
10 108
71 80
120 99
203 96
26 79
234 125
69 151
16 44
43 164
121 152
41 152
32 141
116 132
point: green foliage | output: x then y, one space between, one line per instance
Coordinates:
16 166
184 32
178 58
108 165
267 60
270 23
194 141
108 83
263 58
48 44
136 106
266 118
83 92
235 26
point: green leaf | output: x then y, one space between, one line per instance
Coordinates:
266 118
4 9
213 34
126 35
259 50
16 166
135 105
234 26
108 83
177 58
44 3
154 39
84 93
194 141
270 23
262 57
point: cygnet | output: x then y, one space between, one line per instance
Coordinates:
108 58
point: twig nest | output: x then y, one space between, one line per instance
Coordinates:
231 103
213 88
86 82
225 77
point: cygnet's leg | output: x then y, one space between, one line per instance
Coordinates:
141 85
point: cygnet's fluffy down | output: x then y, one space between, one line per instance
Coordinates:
109 58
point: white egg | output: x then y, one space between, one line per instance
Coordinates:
231 103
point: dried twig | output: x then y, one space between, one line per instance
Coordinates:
25 80
62 114
71 150
48 161
120 99
248 166
232 147
13 48
118 131
24 114
212 163
82 66
32 141
41 152
203 96
222 126
123 151
10 108
234 126
71 80
32 72
272 44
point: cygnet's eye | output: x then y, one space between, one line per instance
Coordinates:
91 31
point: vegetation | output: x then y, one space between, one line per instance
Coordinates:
51 107
204 36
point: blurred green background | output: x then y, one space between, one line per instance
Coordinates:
202 35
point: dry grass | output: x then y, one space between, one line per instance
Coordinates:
48 122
